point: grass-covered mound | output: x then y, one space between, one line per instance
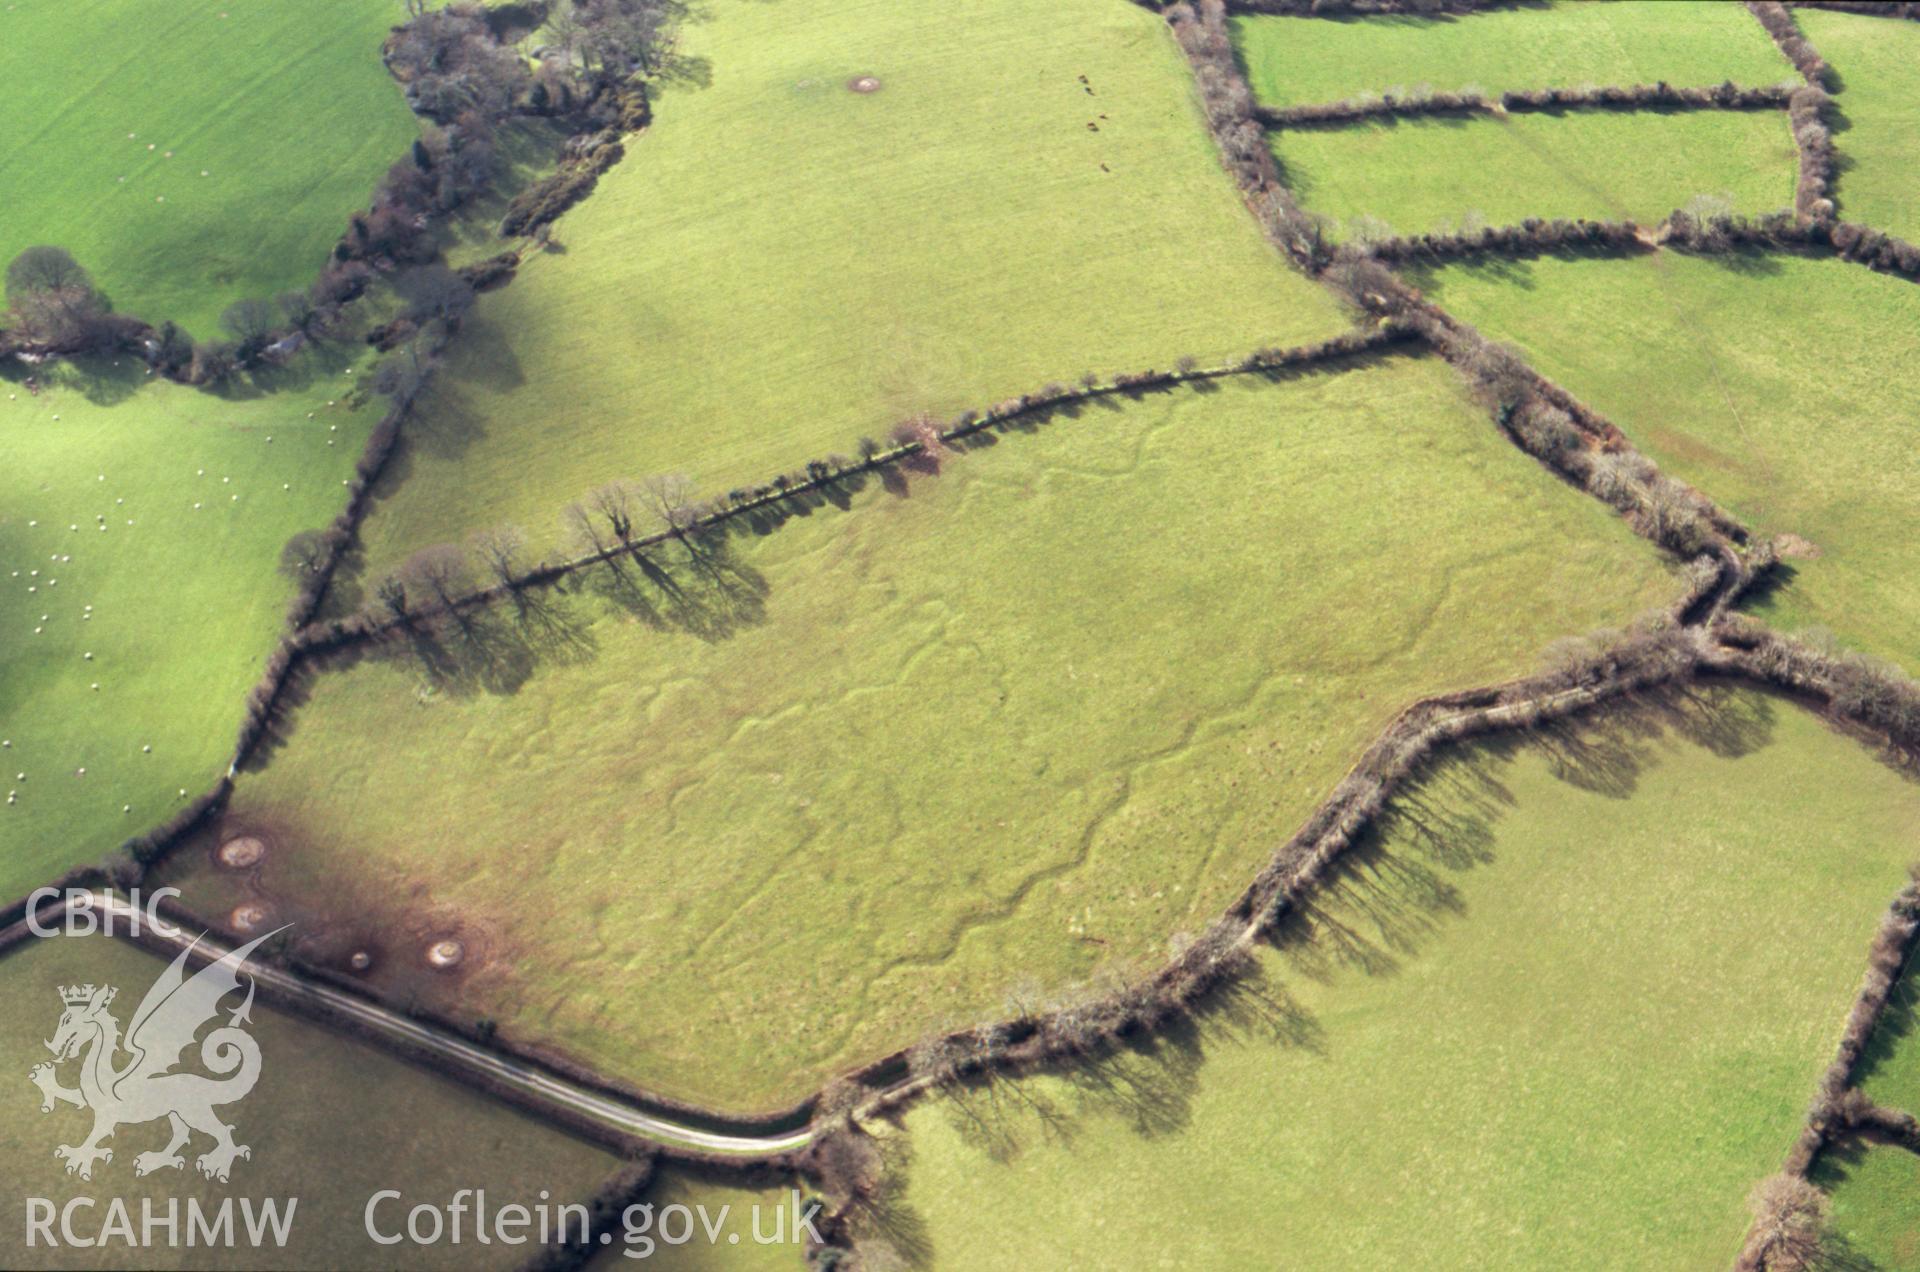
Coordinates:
330 1123
1876 68
1563 1012
782 265
197 152
1294 61
1780 385
856 777
141 528
1412 176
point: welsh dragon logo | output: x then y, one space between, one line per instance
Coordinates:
143 1086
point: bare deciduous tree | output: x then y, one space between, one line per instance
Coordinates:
1789 1221
440 570
614 503
585 527
670 498
392 591
499 551
249 321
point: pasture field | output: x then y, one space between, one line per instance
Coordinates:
856 777
1875 63
1873 1212
1800 424
1418 175
1563 1011
1297 61
330 1123
781 266
197 153
141 525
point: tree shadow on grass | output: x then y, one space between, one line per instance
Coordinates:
696 587
1837 1161
1605 752
1746 262
102 379
1894 1032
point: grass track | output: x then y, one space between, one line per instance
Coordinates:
1873 1191
1779 385
781 266
1564 1014
285 107
185 603
1879 145
1420 174
330 1123
937 743
1295 61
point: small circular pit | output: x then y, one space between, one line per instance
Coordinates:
864 84
248 917
445 954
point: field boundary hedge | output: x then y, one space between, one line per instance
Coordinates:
463 83
1228 105
912 439
1370 8
1629 97
1905 10
1530 238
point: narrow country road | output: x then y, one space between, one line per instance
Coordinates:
449 1049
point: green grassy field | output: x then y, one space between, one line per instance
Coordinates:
933 744
330 1123
1874 1215
1418 175
1565 1012
1880 142
114 577
781 266
1295 61
193 155
1798 423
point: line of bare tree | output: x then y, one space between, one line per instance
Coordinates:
1424 101
1812 135
1544 420
627 518
1859 244
1369 8
1201 30
464 80
1532 237
1779 23
1906 10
